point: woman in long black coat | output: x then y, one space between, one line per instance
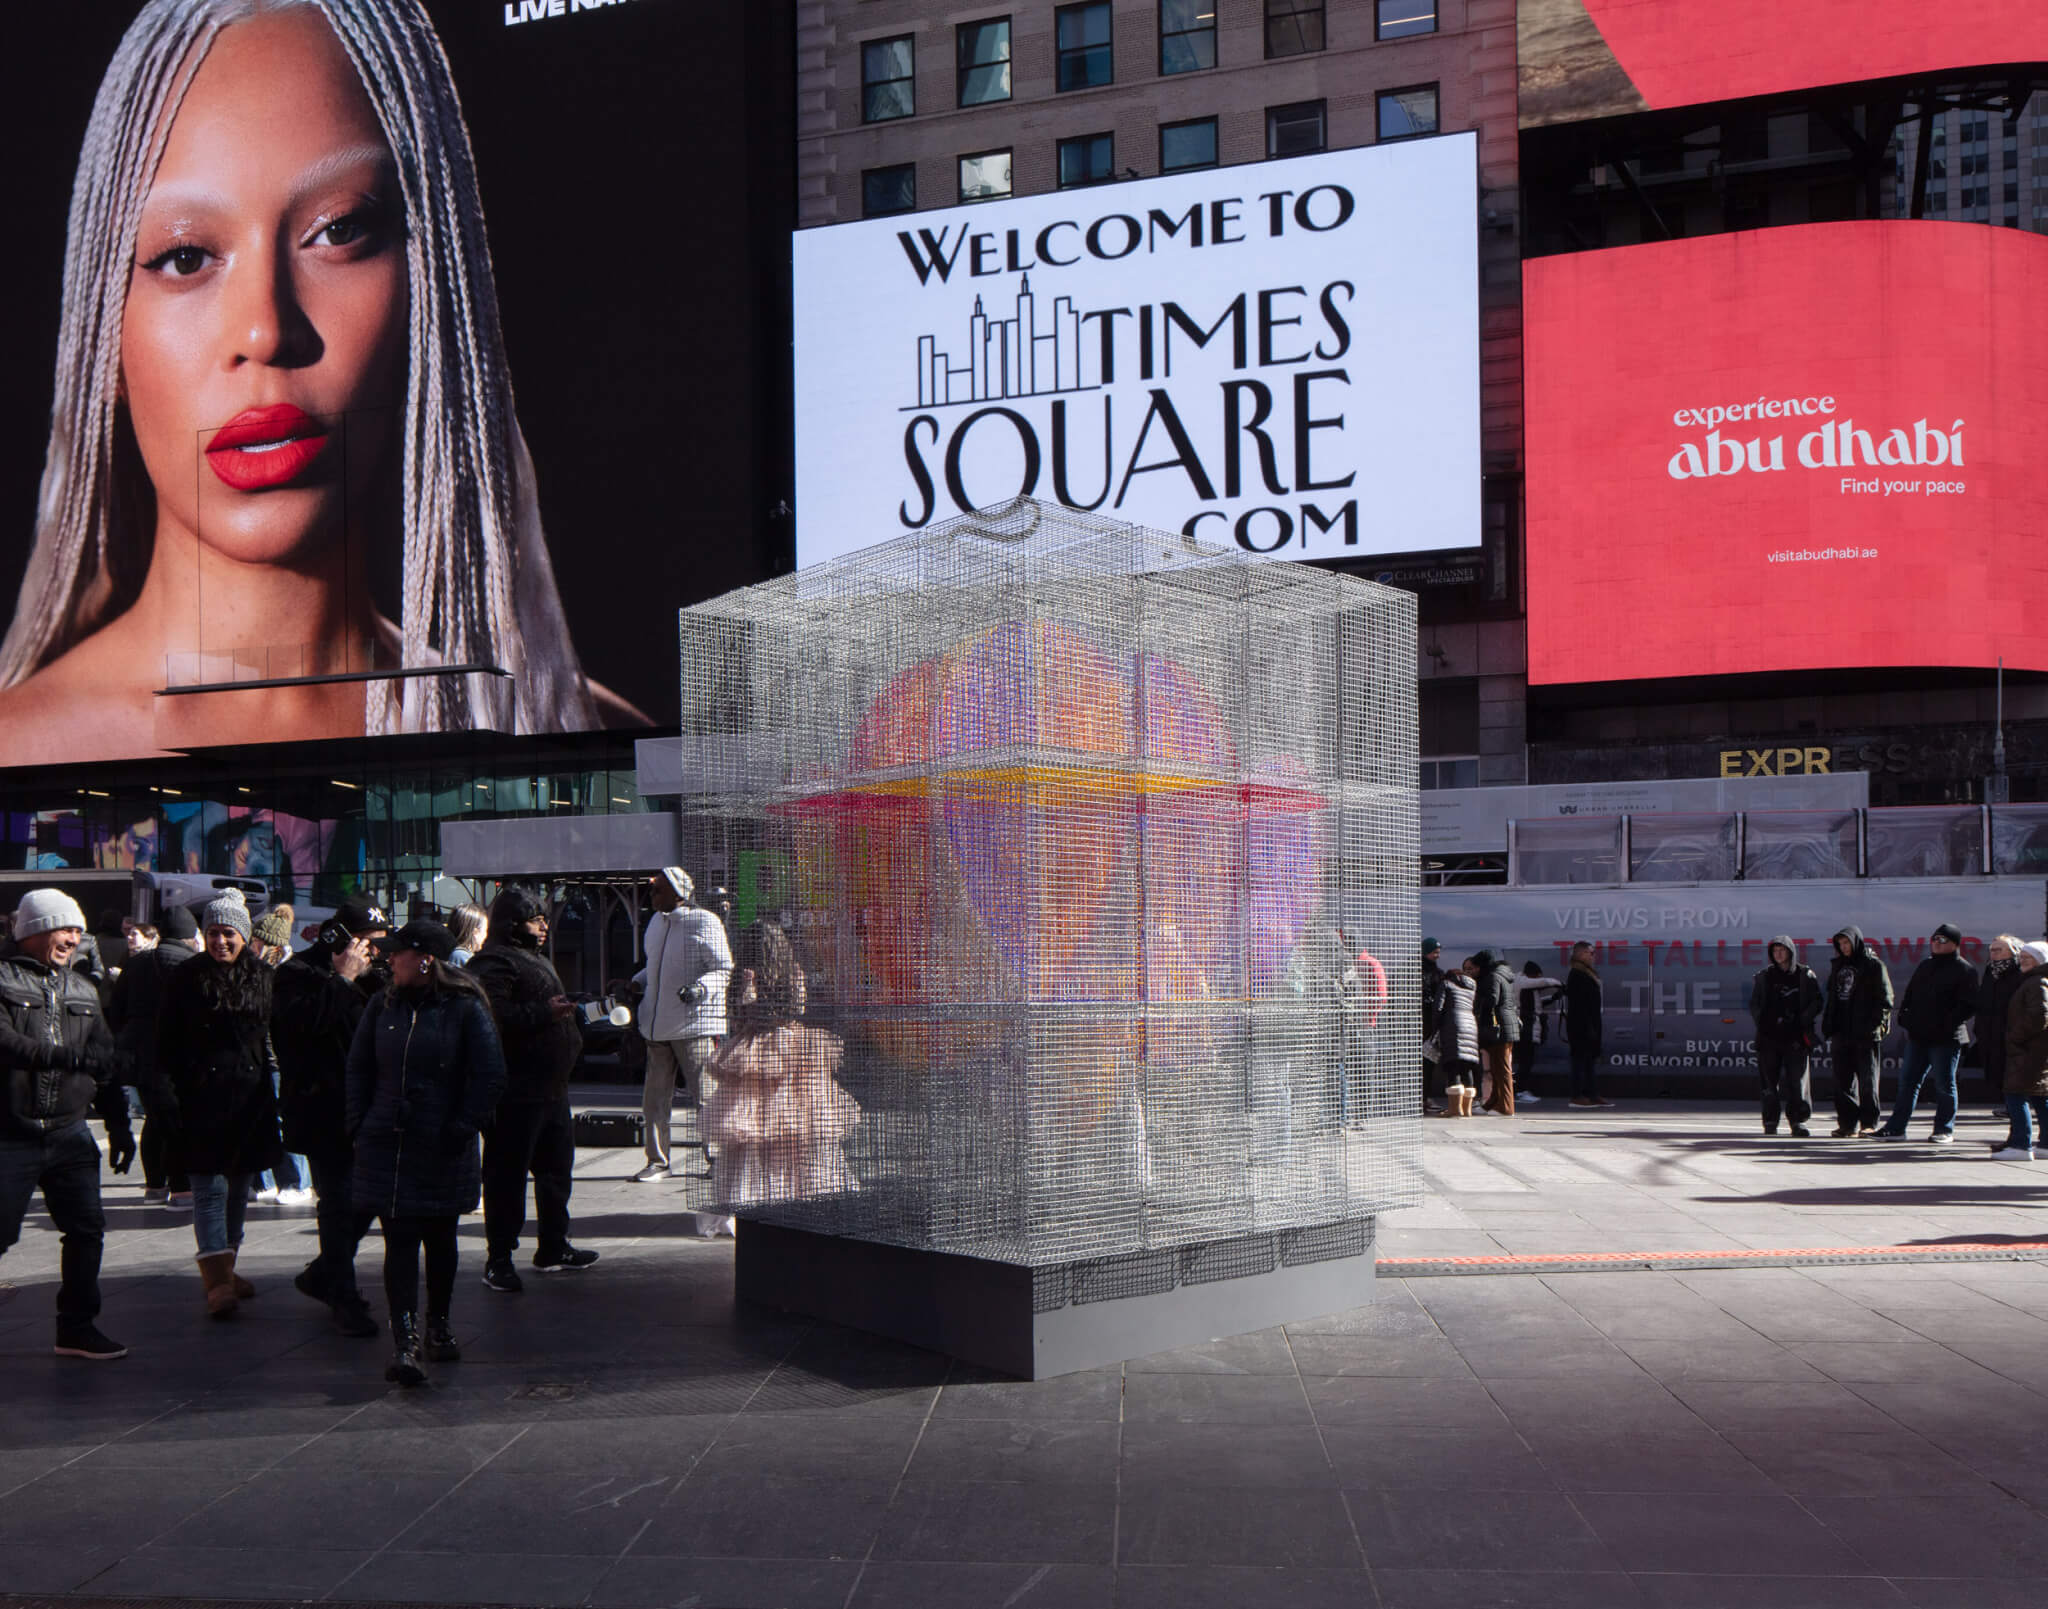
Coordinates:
425 1072
213 1075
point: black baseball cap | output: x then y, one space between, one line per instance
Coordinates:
429 938
358 916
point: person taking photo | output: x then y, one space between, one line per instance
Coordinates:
319 1003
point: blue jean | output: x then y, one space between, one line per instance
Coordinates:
293 1171
1923 1061
219 1204
2023 1113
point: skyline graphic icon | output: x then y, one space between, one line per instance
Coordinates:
1005 358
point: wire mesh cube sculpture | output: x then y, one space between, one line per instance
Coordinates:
1097 848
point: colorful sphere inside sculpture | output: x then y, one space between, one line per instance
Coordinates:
1027 819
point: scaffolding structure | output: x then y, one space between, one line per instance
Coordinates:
1097 850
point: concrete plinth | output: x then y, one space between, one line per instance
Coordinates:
1035 1323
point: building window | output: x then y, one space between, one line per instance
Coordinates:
1187 145
1405 113
1398 19
985 176
1449 771
1081 37
1088 159
1293 27
888 88
1187 35
1294 130
984 61
887 190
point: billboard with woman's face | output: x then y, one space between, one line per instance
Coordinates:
270 473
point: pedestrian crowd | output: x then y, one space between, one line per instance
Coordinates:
1481 1024
1947 1005
411 1073
1478 1015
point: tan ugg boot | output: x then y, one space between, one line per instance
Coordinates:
217 1271
243 1289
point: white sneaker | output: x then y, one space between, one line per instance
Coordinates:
1522 1096
653 1173
298 1197
267 1193
2011 1153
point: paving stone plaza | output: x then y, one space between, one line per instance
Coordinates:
1783 1431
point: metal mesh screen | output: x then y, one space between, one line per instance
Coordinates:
1098 853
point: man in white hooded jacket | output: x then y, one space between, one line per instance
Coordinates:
682 1006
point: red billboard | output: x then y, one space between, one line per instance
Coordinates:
1597 58
1786 450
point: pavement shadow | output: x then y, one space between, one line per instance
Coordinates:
1892 1195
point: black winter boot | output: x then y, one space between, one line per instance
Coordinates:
352 1315
440 1340
407 1367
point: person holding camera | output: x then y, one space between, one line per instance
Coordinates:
682 1015
59 1063
317 1003
532 1133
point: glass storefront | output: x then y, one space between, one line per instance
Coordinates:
311 826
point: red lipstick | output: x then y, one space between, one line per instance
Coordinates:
265 447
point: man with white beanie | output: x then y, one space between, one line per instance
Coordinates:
682 1007
57 1063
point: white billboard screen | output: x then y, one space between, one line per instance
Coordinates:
1283 355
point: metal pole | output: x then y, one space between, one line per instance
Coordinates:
1999 788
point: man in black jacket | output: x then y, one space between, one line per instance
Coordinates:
317 1000
532 1132
1940 998
1500 1025
1855 1020
58 1062
1784 1003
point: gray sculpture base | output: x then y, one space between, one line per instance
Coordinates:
1036 1323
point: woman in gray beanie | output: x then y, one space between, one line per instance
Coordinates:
213 1055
